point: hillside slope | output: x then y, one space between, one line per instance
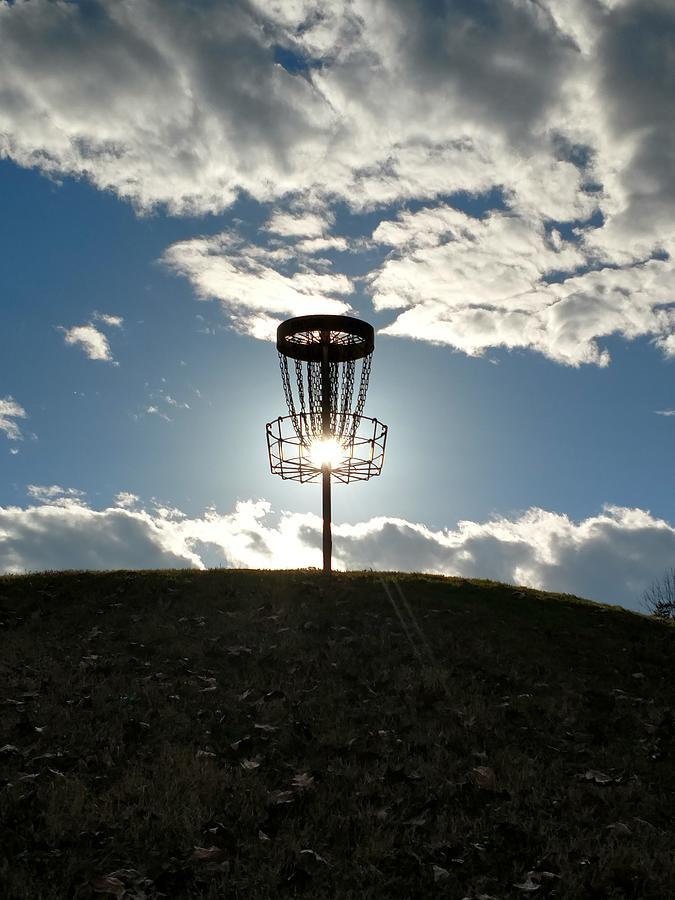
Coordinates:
241 734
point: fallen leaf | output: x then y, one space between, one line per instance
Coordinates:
247 693
598 777
546 876
276 798
440 874
250 764
123 883
209 854
10 749
618 828
274 695
483 776
107 884
243 745
312 856
202 753
303 780
528 884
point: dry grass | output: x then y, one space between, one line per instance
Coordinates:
248 734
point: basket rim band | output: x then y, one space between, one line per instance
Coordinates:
313 351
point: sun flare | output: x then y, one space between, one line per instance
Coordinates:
326 452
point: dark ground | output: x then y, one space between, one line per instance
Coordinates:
252 735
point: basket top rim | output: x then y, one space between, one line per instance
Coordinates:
341 338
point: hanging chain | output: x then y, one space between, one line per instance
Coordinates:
363 389
346 393
314 390
288 391
307 419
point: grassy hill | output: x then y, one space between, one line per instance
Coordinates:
259 734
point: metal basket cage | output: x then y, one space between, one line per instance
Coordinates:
290 453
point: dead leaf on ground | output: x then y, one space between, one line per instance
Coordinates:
251 764
598 777
209 854
243 744
10 750
440 874
274 695
107 884
303 780
276 798
483 776
127 883
528 884
534 879
246 694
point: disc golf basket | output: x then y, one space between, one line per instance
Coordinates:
325 436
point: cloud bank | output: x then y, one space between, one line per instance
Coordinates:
610 557
562 110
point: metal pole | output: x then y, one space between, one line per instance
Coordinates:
325 468
327 536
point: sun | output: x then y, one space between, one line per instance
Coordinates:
326 452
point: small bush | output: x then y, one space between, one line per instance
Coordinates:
659 597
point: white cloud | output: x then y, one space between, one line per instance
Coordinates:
165 106
10 410
305 224
480 283
665 412
90 339
159 402
55 495
76 537
258 286
154 411
108 319
610 557
157 101
176 403
565 109
125 499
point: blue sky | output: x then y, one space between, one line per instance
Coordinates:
498 208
